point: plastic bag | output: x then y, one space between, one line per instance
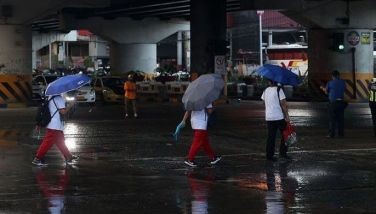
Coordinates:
289 135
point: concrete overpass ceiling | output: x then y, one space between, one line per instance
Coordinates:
135 9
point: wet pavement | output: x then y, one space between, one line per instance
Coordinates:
134 166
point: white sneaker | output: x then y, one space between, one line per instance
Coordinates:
190 163
72 160
38 162
215 160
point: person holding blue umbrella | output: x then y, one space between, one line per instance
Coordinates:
276 111
277 117
55 127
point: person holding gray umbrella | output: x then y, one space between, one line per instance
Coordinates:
199 123
197 101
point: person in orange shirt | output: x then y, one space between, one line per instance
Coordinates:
130 95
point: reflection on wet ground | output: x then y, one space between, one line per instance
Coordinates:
133 166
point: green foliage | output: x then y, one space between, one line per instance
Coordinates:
88 62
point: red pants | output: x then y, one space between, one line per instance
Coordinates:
200 139
53 137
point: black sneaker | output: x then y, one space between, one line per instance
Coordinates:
72 160
190 163
286 157
38 162
215 160
273 159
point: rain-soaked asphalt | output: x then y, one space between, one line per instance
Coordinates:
133 166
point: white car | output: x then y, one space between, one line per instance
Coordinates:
85 94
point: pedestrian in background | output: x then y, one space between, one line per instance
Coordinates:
372 103
130 96
277 117
199 123
335 89
54 132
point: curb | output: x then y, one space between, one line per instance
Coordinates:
13 105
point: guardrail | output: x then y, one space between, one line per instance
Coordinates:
152 90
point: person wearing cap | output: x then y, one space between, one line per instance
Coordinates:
130 96
335 89
372 103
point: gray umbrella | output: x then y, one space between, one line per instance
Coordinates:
202 92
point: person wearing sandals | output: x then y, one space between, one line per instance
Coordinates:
199 123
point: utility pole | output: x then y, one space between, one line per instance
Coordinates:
259 13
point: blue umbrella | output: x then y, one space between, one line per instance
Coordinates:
66 83
279 74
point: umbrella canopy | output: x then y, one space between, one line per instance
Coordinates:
279 74
66 83
202 92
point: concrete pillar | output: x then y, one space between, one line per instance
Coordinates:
208 34
127 57
323 60
187 50
270 38
180 49
15 64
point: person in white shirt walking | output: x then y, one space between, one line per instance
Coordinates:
199 123
54 133
277 117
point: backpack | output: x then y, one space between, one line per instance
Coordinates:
43 117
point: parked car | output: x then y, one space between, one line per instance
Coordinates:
39 85
109 89
85 94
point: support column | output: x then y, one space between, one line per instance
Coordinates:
127 57
208 34
270 38
187 50
15 64
179 49
323 59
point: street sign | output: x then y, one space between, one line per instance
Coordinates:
220 64
260 12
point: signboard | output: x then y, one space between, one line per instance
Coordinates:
260 12
220 64
353 38
365 38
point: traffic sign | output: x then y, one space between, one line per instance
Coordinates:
220 64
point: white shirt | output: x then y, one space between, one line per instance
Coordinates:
56 123
199 119
273 110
